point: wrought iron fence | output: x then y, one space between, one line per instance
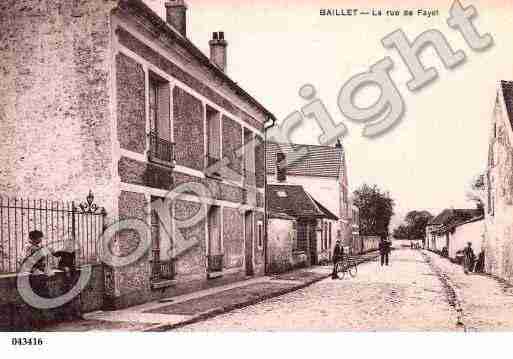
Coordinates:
161 151
161 270
61 223
215 263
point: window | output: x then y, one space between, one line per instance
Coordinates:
260 233
329 235
213 155
249 157
325 239
293 236
161 147
281 194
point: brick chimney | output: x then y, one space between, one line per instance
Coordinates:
281 167
176 15
218 50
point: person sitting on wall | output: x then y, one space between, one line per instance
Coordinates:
35 246
66 257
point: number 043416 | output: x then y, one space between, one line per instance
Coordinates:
27 341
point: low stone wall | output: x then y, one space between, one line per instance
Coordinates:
17 315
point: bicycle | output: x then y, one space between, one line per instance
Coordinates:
346 265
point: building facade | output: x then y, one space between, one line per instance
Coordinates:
311 239
105 96
498 244
452 229
322 172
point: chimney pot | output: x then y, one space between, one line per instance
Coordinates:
176 15
218 53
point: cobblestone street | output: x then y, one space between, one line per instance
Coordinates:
407 296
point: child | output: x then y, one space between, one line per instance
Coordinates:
35 240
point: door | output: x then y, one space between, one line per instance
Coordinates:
248 235
214 232
312 235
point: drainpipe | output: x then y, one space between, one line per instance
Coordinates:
266 243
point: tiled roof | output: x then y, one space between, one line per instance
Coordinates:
326 211
319 161
293 201
507 91
451 217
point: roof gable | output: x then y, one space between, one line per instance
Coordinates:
296 202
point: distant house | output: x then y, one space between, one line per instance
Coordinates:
453 229
499 187
299 228
322 172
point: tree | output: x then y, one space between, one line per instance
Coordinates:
376 209
402 232
477 191
417 222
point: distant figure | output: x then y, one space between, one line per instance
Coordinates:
468 258
480 264
384 250
35 240
338 254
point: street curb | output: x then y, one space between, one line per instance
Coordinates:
222 310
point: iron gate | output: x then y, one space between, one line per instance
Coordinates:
60 222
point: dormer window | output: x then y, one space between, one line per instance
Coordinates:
281 194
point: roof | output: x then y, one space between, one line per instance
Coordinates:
507 92
327 212
294 201
450 218
141 9
319 161
276 215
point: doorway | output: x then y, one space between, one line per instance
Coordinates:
248 235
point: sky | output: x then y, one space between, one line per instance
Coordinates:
441 143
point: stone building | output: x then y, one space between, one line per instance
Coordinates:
104 95
300 229
322 172
498 244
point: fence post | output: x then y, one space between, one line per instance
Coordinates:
73 219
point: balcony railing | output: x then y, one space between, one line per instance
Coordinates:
161 151
213 166
161 270
215 263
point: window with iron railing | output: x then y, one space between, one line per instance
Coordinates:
161 147
213 155
161 150
215 263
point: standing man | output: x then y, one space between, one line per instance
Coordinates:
338 254
468 258
384 250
